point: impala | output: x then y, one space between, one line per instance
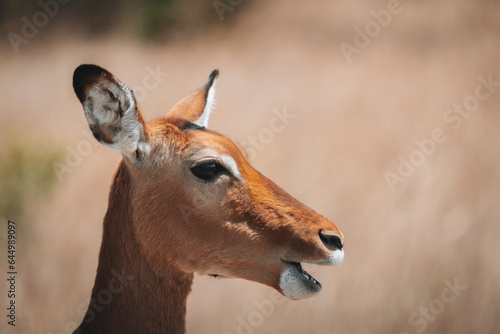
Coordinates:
157 233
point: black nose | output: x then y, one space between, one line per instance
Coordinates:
330 240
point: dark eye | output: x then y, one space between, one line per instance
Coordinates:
208 170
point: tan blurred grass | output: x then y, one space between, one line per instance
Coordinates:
352 122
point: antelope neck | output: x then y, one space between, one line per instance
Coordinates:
128 295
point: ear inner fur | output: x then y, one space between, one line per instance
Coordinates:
111 110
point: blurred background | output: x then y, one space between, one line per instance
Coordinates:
394 137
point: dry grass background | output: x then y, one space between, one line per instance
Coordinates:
352 123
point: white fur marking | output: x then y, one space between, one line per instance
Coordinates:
293 286
336 257
209 105
231 164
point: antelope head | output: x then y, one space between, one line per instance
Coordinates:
197 204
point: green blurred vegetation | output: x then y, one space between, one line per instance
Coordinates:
26 173
145 19
186 17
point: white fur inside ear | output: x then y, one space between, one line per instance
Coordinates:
209 105
132 128
100 108
103 107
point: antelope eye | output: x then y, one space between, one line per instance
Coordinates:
208 170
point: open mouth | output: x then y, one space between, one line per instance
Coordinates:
299 268
296 283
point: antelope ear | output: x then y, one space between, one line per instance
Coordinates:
111 111
197 106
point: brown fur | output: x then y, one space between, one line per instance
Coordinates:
189 107
149 302
163 224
